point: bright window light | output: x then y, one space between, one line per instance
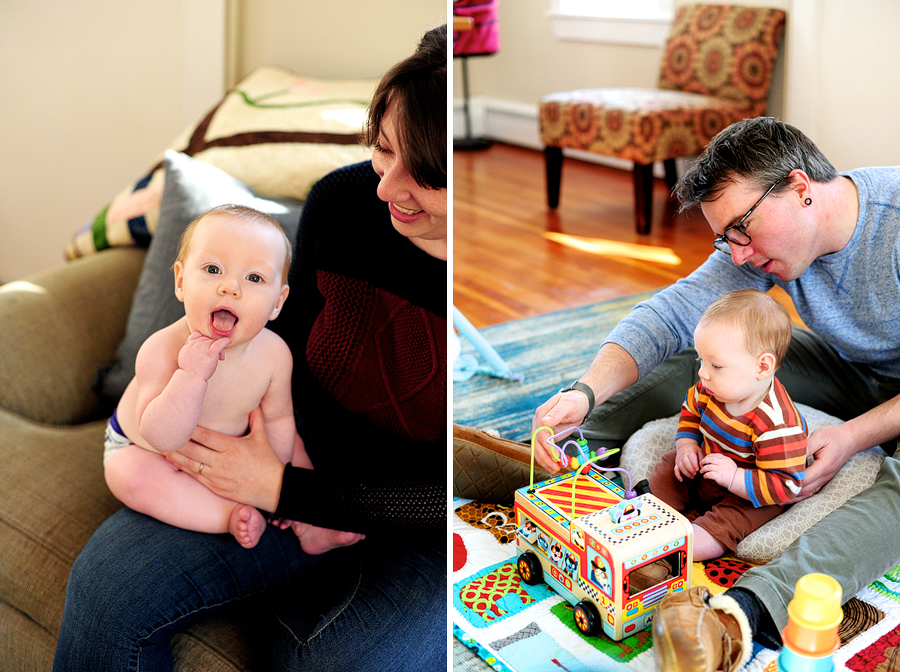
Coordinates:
633 22
617 8
612 248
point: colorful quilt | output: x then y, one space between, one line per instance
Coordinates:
515 627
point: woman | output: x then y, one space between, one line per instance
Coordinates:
366 323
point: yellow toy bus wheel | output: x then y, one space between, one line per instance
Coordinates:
587 618
530 570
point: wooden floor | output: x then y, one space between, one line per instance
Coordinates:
513 257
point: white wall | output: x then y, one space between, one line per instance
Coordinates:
858 76
836 78
361 40
532 63
94 91
91 93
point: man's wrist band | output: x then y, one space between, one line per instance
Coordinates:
584 389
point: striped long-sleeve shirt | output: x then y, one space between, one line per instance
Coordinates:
769 442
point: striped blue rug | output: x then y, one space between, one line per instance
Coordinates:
549 350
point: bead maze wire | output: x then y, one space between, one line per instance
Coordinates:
589 459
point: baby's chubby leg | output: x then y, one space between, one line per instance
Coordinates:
706 546
299 457
146 482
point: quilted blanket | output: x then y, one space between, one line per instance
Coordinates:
515 627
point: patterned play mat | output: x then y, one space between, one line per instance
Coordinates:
515 627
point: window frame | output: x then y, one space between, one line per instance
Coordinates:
637 25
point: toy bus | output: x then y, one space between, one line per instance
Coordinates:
611 557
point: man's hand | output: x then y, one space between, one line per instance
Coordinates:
200 355
561 411
829 450
612 370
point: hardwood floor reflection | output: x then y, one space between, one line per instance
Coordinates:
513 257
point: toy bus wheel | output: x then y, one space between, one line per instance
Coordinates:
587 618
530 570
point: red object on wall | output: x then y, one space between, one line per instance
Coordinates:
483 38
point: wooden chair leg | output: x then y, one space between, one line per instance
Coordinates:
643 197
553 158
672 203
671 173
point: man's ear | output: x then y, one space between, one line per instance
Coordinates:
178 268
801 185
765 365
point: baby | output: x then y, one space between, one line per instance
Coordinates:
212 368
741 443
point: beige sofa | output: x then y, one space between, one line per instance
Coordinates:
58 328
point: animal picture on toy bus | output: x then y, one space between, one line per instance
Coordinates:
572 564
600 573
550 549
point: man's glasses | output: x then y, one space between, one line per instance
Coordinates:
735 233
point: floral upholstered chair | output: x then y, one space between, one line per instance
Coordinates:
716 70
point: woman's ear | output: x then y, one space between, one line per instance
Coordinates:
765 365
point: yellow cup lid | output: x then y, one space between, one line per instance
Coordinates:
816 603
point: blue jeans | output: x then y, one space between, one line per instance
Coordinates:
138 582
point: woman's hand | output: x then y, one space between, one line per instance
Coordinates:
244 469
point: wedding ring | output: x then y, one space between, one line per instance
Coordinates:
200 470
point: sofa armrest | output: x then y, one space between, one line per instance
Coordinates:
58 328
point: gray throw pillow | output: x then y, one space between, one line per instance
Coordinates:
191 188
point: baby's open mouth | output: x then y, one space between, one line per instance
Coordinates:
223 322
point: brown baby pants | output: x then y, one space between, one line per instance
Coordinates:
727 517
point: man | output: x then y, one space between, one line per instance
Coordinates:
781 216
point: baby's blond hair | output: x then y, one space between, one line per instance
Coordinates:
765 323
245 213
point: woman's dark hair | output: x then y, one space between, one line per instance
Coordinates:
417 88
760 150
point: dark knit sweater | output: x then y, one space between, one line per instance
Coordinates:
366 323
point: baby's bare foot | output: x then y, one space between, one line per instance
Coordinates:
318 540
246 524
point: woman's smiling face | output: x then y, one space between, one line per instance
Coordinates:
417 212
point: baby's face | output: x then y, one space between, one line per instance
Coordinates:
727 370
230 280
